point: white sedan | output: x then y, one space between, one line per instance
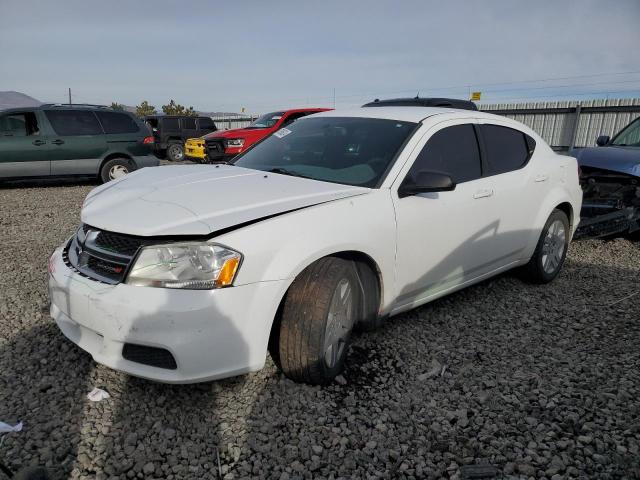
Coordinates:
340 220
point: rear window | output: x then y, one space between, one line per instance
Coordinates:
189 123
206 124
74 122
506 149
114 122
171 124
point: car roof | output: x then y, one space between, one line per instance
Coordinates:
63 106
406 114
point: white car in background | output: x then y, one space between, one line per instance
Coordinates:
342 219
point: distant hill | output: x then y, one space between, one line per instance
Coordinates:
17 99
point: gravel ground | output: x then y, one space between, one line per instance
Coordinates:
536 381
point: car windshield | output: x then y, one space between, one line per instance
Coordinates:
629 136
351 151
267 121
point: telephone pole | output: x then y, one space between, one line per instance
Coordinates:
69 95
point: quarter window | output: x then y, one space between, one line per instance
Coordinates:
452 150
114 122
74 122
506 149
189 123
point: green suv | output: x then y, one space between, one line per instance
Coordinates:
57 139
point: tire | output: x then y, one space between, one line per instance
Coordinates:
115 168
369 318
312 345
175 152
551 250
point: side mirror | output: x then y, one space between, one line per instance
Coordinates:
602 140
426 181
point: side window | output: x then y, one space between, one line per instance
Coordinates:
189 123
452 150
74 122
19 125
170 124
114 122
506 149
205 123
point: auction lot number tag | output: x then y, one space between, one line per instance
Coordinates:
283 132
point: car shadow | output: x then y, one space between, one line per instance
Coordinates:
459 381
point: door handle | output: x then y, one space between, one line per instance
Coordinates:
541 178
58 142
39 142
483 193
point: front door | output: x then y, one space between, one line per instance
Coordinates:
445 239
78 142
23 146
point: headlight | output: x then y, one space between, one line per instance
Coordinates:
185 265
235 142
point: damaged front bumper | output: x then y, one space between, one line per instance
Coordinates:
611 203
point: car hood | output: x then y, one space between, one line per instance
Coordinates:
201 199
237 132
617 159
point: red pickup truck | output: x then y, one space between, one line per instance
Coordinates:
222 145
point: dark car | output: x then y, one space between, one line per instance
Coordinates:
610 179
171 131
57 139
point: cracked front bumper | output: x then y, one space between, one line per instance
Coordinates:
210 333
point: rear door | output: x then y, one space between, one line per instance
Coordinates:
23 145
189 128
517 186
78 142
123 133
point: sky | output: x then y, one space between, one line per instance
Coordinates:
262 56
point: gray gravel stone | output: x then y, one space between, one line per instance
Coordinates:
539 380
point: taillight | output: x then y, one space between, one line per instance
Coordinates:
148 140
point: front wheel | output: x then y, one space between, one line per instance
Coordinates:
551 250
317 318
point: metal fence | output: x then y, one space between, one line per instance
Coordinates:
228 121
565 125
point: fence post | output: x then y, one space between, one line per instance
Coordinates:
574 133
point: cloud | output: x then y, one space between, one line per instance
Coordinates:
265 54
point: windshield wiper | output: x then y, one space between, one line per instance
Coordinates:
284 171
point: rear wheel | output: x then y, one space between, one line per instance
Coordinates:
551 251
115 168
175 152
316 322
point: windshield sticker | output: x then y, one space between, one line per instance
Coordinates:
283 132
276 117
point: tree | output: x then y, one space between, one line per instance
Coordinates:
117 106
145 109
173 108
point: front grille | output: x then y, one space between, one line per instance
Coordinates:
153 356
118 243
101 255
215 149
